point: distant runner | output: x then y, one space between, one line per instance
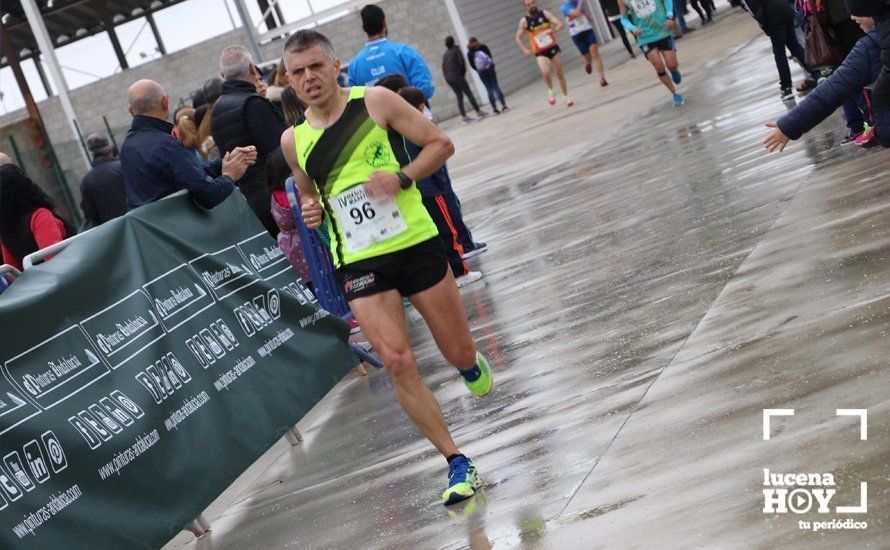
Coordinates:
652 22
349 161
581 29
540 26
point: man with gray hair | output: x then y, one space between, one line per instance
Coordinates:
241 117
155 164
102 195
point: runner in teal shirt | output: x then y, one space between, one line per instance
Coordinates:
651 17
652 22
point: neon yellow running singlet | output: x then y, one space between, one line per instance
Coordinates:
340 160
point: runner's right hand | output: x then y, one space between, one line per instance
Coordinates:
638 32
312 213
527 52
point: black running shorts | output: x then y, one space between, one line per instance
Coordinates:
409 271
665 44
549 53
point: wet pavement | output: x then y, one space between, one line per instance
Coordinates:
648 291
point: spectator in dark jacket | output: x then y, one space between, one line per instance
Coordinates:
610 8
776 18
482 62
241 117
859 70
155 164
102 195
455 70
433 190
879 10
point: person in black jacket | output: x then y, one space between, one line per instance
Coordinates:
610 8
482 62
879 10
776 18
242 117
433 191
455 71
858 71
102 195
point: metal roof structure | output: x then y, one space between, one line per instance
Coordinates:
68 21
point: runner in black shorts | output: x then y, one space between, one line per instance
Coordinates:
349 162
652 22
408 271
663 45
549 53
539 27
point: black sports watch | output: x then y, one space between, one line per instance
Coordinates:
405 179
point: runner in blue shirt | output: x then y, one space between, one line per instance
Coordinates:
581 29
380 57
652 22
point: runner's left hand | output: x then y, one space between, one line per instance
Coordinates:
669 24
776 139
383 184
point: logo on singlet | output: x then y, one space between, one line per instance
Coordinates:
376 155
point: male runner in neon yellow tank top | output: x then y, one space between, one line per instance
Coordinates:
350 165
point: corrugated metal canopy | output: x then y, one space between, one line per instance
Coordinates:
68 21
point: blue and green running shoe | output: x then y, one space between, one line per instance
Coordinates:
482 385
463 480
676 76
678 100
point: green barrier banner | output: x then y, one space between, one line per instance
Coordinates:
145 367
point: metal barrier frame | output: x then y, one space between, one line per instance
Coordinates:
37 258
321 268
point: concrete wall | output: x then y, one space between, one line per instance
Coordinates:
421 23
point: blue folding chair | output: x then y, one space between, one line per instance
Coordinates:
321 268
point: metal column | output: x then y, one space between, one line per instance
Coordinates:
38 28
116 44
149 16
37 129
600 21
249 30
462 39
42 74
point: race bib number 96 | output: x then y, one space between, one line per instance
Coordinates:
364 220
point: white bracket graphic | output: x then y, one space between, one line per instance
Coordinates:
863 502
769 413
863 420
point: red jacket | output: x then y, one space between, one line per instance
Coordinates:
47 230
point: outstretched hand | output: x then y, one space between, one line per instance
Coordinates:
776 139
